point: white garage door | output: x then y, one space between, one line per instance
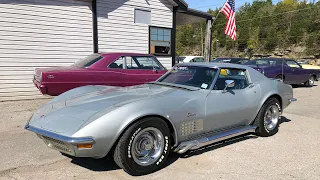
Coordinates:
40 33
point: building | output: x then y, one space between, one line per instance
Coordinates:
47 33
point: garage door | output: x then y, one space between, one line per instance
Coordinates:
40 33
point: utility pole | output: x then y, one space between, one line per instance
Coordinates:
232 46
201 39
208 40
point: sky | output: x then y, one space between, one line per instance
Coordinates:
204 5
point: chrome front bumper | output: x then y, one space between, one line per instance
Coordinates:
64 144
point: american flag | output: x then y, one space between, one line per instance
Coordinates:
229 11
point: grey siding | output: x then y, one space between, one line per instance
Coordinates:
41 33
118 32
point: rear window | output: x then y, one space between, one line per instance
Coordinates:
88 61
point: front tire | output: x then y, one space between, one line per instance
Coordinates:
144 147
268 118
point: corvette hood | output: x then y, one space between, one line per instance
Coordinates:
65 117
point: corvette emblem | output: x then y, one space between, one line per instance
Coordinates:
191 114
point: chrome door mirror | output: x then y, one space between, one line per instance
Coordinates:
228 84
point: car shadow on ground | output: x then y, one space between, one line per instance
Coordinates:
103 164
107 163
301 86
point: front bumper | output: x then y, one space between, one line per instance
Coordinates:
292 100
64 144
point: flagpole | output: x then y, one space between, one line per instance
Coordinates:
218 14
215 18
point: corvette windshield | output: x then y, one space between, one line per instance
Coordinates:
200 77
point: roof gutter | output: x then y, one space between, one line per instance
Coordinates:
181 4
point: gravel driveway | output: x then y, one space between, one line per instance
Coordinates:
293 153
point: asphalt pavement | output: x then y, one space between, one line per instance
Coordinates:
293 153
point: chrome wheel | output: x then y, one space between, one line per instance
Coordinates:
147 146
311 81
271 117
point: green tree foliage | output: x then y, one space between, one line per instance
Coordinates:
262 27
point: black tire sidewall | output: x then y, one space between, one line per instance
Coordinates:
261 130
132 132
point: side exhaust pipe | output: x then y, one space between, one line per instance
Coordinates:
204 141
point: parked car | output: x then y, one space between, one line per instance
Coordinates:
231 60
112 69
191 106
187 59
286 70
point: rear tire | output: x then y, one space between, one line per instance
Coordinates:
144 147
310 82
268 118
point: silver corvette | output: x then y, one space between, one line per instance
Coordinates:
189 107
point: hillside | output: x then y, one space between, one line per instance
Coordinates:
288 28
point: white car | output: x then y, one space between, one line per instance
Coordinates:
187 59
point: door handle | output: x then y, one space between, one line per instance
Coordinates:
251 85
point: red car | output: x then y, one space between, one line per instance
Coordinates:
112 69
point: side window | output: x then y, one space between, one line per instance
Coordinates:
131 64
118 64
237 75
145 62
293 64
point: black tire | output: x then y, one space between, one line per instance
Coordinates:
310 82
123 155
260 123
279 77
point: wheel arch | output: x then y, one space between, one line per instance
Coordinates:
281 74
278 97
315 76
274 95
171 126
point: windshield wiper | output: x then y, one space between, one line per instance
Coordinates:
190 88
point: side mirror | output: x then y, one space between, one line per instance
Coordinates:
229 84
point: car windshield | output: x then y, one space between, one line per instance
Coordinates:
200 77
88 61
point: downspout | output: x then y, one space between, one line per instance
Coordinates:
173 34
95 26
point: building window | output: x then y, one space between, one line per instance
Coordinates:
142 16
160 41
